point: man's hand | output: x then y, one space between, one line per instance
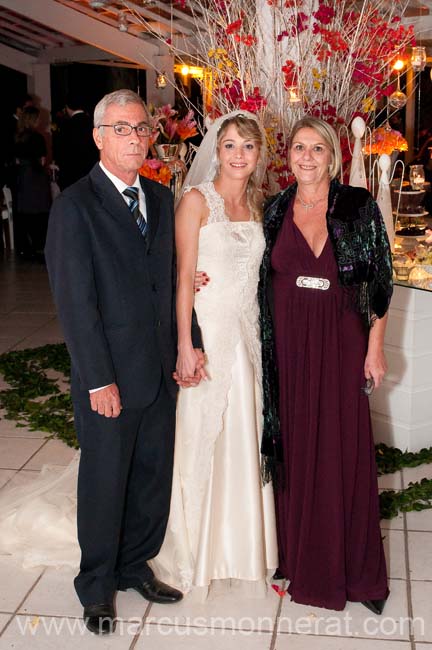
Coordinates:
106 401
201 361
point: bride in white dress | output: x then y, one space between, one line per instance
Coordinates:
221 524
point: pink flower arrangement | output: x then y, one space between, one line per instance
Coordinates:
386 140
168 129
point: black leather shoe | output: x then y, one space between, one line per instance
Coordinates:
375 606
100 619
278 575
158 592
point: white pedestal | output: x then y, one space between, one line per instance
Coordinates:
401 409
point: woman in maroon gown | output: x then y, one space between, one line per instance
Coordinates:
325 289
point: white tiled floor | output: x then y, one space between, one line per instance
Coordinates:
39 609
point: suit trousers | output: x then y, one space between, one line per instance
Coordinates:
124 491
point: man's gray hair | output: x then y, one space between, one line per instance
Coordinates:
121 98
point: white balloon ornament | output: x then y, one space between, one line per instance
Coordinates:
358 173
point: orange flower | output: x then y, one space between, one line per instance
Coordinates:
386 140
156 170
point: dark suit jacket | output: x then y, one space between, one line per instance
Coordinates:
115 290
76 152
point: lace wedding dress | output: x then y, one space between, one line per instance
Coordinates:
222 523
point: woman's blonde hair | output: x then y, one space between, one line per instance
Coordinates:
329 136
249 129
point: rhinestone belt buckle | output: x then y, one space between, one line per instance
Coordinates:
307 282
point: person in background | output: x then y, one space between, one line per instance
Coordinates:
76 152
31 188
8 134
326 284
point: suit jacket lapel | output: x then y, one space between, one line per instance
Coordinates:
117 207
111 199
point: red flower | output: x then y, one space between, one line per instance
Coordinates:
332 38
254 102
233 92
302 22
290 72
367 75
235 26
324 14
248 40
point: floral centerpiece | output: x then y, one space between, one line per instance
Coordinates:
156 170
168 132
283 59
168 128
384 139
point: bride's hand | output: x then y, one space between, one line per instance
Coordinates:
201 279
186 362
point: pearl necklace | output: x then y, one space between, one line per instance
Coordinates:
312 204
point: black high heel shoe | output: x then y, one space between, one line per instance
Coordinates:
278 575
375 606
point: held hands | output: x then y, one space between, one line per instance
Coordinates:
190 367
106 401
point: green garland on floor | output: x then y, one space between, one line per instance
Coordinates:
36 400
417 496
391 459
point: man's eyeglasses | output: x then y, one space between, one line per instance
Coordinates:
142 130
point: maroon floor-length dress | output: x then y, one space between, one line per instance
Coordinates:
330 545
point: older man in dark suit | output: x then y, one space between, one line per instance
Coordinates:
110 257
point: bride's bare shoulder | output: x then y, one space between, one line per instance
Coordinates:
192 202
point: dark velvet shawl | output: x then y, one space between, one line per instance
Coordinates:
362 251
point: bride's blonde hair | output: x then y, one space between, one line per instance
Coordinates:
249 129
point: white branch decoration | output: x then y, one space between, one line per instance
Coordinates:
286 58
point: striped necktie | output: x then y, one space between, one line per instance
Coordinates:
132 194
